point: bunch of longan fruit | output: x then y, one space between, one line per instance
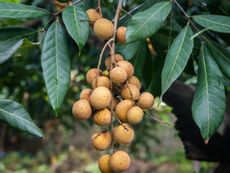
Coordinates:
114 100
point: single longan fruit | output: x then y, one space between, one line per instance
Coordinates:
134 81
105 73
121 34
117 58
100 98
130 91
122 109
101 81
92 74
146 100
101 141
103 163
85 93
123 134
103 29
82 109
102 117
93 15
135 115
118 75
127 66
119 161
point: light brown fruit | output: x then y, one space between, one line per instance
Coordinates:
135 115
119 161
93 15
102 117
130 91
100 98
103 163
103 29
82 109
121 34
127 66
101 141
118 75
146 100
101 81
122 109
134 81
123 134
85 93
92 74
117 58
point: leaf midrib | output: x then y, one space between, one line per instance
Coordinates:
211 21
57 63
75 19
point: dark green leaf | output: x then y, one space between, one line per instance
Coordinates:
129 50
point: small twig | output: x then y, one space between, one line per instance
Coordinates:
157 119
181 9
99 6
130 12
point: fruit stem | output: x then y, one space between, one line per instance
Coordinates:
99 6
157 119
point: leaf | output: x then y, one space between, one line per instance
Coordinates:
214 22
209 101
177 58
129 50
56 64
14 114
146 23
18 11
77 25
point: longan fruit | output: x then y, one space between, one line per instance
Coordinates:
117 58
122 109
130 91
123 134
92 74
127 66
101 141
118 75
146 100
85 93
100 98
121 34
103 163
102 117
119 161
82 109
134 81
101 81
103 29
93 16
135 115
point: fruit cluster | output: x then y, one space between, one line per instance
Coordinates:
114 100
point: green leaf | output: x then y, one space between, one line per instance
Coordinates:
177 57
18 11
56 64
129 50
214 22
77 25
15 115
146 23
209 101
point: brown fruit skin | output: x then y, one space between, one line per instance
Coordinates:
100 98
59 6
102 117
93 16
135 115
82 109
134 81
146 100
130 91
127 66
85 93
119 161
101 81
118 75
103 163
122 109
92 74
101 141
103 29
123 134
117 58
121 34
